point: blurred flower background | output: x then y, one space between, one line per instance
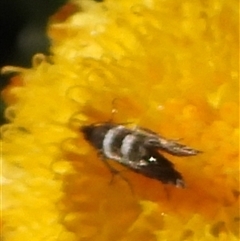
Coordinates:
23 33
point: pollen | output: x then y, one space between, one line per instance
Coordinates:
168 66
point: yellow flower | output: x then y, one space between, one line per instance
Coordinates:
170 66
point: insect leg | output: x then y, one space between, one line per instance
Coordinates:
112 169
115 172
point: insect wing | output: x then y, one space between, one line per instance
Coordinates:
159 168
170 146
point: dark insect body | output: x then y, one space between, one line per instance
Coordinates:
138 149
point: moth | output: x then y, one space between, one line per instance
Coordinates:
138 149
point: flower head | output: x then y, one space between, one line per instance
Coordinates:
165 65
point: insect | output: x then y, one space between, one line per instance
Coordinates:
138 149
